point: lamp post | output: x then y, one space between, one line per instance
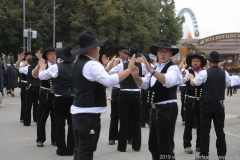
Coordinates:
54 8
24 25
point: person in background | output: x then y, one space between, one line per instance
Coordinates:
192 101
32 90
2 72
182 87
114 115
12 77
90 100
214 81
46 97
163 83
24 56
63 91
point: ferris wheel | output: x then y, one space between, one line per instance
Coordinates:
189 18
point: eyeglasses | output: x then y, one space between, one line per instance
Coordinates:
163 51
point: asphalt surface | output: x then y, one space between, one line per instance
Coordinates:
18 142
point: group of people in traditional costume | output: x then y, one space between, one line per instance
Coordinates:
74 90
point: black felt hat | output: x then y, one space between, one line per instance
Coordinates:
163 44
215 57
33 61
133 50
64 53
121 46
51 48
196 55
86 42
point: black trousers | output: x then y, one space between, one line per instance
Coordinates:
192 112
162 129
183 93
86 130
145 108
229 91
61 109
129 106
213 111
23 100
235 89
32 96
113 129
45 108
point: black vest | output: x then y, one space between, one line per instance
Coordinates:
30 79
46 83
214 87
195 91
23 77
129 82
87 93
63 84
158 92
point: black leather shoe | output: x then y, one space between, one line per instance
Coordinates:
136 150
121 150
130 142
61 152
40 144
54 143
111 142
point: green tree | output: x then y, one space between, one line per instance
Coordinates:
11 26
141 22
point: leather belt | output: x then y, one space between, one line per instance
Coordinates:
212 101
116 88
130 92
162 106
194 98
48 91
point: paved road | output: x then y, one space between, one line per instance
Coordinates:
17 142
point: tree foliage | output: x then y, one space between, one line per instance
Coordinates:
141 22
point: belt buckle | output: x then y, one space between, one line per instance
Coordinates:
51 91
154 106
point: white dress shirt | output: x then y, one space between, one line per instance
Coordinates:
20 65
172 77
51 72
202 77
95 72
24 70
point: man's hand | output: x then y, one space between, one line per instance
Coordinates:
131 64
21 56
135 71
184 73
25 64
105 60
147 65
110 64
39 55
42 63
190 76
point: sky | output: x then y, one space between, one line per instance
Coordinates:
213 16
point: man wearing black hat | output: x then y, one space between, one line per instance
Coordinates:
214 81
24 56
63 91
129 104
162 83
46 96
32 90
192 101
114 115
89 81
